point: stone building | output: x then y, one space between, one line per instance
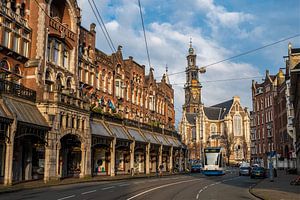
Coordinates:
225 123
76 110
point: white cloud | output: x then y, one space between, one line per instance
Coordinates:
112 25
168 44
218 17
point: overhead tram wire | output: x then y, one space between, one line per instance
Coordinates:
101 26
242 54
221 80
142 19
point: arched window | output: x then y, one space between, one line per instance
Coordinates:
69 81
59 85
213 129
237 125
4 65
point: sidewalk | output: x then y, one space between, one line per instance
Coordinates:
279 189
67 181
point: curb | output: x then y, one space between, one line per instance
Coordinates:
79 181
252 193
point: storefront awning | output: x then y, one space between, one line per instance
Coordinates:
172 141
4 116
136 135
98 128
162 140
118 131
150 137
25 112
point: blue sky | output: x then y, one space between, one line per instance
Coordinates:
220 29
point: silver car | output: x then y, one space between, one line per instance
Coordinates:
244 171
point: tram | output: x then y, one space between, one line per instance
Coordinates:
214 162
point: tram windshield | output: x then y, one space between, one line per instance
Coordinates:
211 158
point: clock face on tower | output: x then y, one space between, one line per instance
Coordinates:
194 95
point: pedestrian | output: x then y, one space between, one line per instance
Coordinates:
161 170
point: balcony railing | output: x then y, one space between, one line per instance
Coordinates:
10 88
11 14
69 100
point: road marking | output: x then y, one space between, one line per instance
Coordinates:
88 192
153 180
67 197
125 184
197 195
159 187
107 188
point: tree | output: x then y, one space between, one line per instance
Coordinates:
228 142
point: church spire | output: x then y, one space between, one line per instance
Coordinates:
167 76
191 49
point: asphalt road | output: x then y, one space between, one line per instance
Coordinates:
178 187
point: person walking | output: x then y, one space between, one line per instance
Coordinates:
161 170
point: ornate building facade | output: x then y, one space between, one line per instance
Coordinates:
76 110
226 124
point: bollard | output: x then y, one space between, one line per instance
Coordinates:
271 174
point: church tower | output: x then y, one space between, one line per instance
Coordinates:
192 86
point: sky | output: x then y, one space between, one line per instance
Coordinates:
219 30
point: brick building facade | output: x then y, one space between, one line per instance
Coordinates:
76 110
270 140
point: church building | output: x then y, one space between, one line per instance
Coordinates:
226 124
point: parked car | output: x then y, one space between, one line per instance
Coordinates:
196 168
244 171
258 172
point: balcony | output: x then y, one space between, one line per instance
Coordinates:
10 88
9 13
69 100
62 29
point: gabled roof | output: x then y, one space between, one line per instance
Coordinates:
213 113
218 111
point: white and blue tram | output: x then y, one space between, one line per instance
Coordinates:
214 162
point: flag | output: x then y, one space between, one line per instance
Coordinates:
111 105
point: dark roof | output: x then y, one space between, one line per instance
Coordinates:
191 117
218 111
295 50
213 113
26 112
